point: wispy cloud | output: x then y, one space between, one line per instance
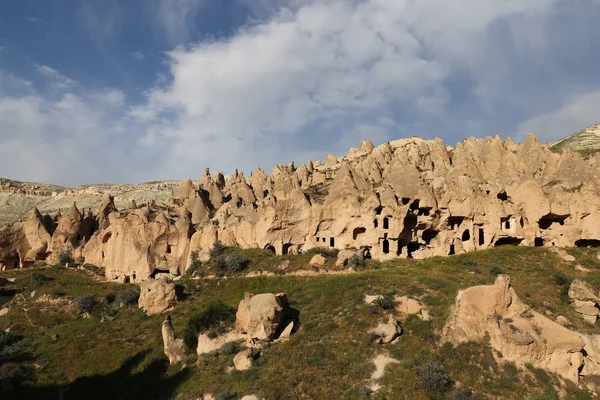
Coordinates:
57 78
138 55
176 18
33 19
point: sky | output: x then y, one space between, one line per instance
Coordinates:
128 91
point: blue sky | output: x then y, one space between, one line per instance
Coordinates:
138 90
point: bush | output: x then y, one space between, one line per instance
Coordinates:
327 252
94 269
217 249
215 314
226 396
469 262
385 302
128 296
235 261
434 378
357 262
496 270
39 278
560 278
85 304
10 345
230 348
65 258
196 264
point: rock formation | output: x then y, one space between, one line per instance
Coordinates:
584 300
515 331
386 331
406 198
157 296
258 316
174 348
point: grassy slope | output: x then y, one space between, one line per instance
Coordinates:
327 358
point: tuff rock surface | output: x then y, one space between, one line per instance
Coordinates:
405 198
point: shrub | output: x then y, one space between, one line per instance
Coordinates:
39 278
94 269
10 345
434 378
217 249
58 293
385 302
560 278
226 396
85 304
230 348
469 262
496 270
215 314
65 258
236 261
110 298
327 252
196 264
357 262
128 296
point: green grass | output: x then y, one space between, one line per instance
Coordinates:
328 357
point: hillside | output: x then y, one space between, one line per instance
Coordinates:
586 142
17 199
116 352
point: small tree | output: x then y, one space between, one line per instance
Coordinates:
128 296
65 258
85 304
434 378
217 249
38 278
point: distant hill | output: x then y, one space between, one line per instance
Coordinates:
586 142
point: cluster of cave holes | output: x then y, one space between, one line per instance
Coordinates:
546 221
324 240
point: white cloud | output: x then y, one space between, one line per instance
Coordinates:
76 138
33 19
57 78
329 69
577 114
313 77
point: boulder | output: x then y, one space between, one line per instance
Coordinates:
584 300
174 348
386 331
243 360
516 332
317 261
157 296
408 306
344 257
258 316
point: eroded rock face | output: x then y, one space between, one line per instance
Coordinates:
174 348
584 300
406 198
258 316
520 334
157 296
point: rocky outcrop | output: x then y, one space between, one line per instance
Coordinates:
317 261
243 360
258 316
584 300
386 330
157 296
409 198
174 348
515 331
